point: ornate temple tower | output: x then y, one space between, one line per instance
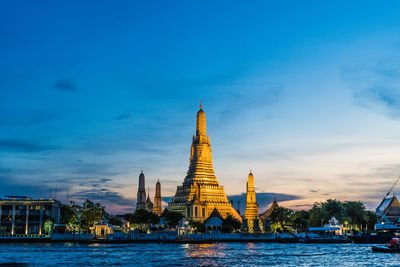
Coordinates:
200 192
141 194
157 200
149 204
251 213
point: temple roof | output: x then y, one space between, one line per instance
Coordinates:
386 202
214 213
271 208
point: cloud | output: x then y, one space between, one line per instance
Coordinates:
8 186
376 86
65 86
97 169
122 116
110 199
379 95
11 145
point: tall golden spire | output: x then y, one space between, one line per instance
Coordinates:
251 212
201 123
157 209
200 192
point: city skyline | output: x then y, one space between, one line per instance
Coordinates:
307 98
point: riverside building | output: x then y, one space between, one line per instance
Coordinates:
23 215
200 192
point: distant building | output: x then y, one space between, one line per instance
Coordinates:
267 213
141 194
200 192
331 229
250 218
157 209
388 210
102 229
149 204
265 217
23 215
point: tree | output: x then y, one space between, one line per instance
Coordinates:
90 214
281 215
70 213
143 218
371 219
356 211
198 226
322 212
335 208
317 215
300 220
227 228
173 218
230 224
112 220
48 226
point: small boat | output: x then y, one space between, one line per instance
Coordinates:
392 247
385 249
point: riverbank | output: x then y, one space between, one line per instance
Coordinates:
173 237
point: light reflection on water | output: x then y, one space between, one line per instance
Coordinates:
206 254
217 254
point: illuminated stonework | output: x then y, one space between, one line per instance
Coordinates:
200 192
251 213
157 209
141 194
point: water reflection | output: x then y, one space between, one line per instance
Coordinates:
217 254
207 252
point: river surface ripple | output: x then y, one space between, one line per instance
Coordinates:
218 254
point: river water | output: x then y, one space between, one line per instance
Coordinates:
218 254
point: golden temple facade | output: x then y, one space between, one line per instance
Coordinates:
200 192
251 213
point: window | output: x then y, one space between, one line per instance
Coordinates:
195 212
203 212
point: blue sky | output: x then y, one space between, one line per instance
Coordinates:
304 93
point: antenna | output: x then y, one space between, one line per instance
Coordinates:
390 190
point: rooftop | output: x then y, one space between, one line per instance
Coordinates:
25 198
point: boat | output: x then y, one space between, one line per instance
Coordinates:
392 247
385 249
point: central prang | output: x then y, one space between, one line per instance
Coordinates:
200 192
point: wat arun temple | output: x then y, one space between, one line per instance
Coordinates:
201 194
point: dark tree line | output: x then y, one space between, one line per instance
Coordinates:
349 213
85 216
